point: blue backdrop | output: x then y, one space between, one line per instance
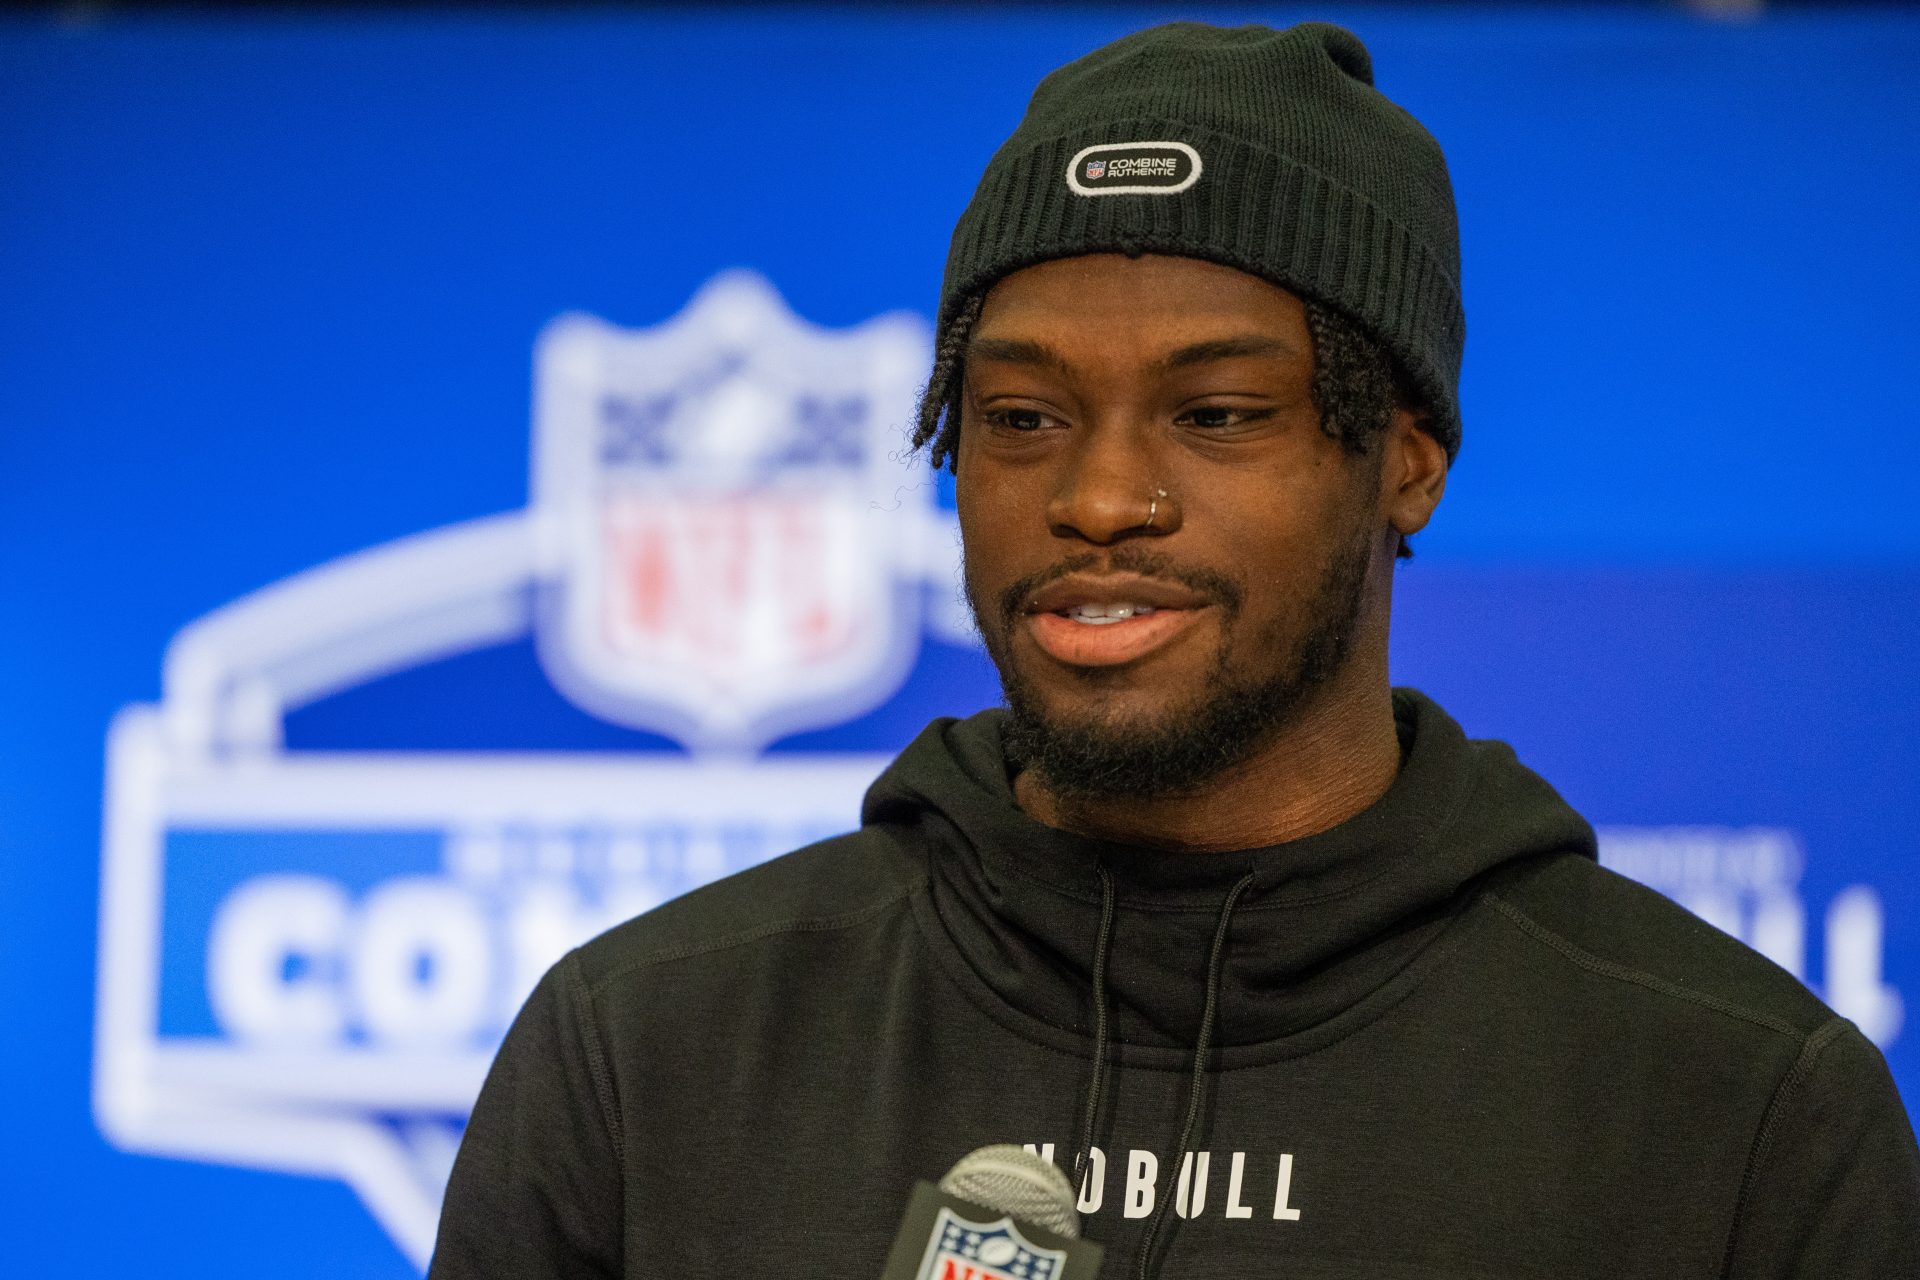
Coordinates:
270 289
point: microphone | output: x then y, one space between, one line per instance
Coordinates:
1001 1213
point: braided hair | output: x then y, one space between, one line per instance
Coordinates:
936 426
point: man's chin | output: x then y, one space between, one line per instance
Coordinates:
1110 733
1161 750
1106 706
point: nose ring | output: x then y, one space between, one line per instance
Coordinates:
1153 505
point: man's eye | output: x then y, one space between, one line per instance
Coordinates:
1017 419
1216 416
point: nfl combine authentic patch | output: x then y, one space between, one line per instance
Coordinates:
1134 168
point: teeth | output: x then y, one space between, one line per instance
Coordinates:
1101 614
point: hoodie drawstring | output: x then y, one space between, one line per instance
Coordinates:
1103 943
1196 1086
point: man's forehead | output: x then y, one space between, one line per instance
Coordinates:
1169 311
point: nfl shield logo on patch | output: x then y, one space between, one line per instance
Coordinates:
1096 168
963 1250
720 499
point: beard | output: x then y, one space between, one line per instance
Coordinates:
1095 754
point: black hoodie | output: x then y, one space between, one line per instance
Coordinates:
1445 1042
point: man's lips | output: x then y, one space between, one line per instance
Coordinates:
1077 589
1088 644
1105 620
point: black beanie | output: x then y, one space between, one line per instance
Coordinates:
1269 151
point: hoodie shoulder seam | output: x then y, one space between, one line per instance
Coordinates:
1621 973
597 1067
1789 1088
726 942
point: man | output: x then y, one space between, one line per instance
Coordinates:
1293 976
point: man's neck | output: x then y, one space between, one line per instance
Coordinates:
1337 756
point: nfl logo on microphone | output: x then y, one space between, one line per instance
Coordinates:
963 1250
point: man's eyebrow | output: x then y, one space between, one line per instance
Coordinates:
1017 351
1251 344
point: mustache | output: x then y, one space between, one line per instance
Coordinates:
1215 587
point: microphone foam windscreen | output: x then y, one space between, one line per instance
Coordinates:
1013 1180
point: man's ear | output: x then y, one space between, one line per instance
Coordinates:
1413 474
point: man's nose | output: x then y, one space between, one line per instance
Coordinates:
1109 489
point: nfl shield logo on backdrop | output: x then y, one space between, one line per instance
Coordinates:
717 495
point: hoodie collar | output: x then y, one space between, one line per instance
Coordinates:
1326 919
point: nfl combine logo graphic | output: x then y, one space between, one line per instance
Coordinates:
308 957
1096 168
963 1250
